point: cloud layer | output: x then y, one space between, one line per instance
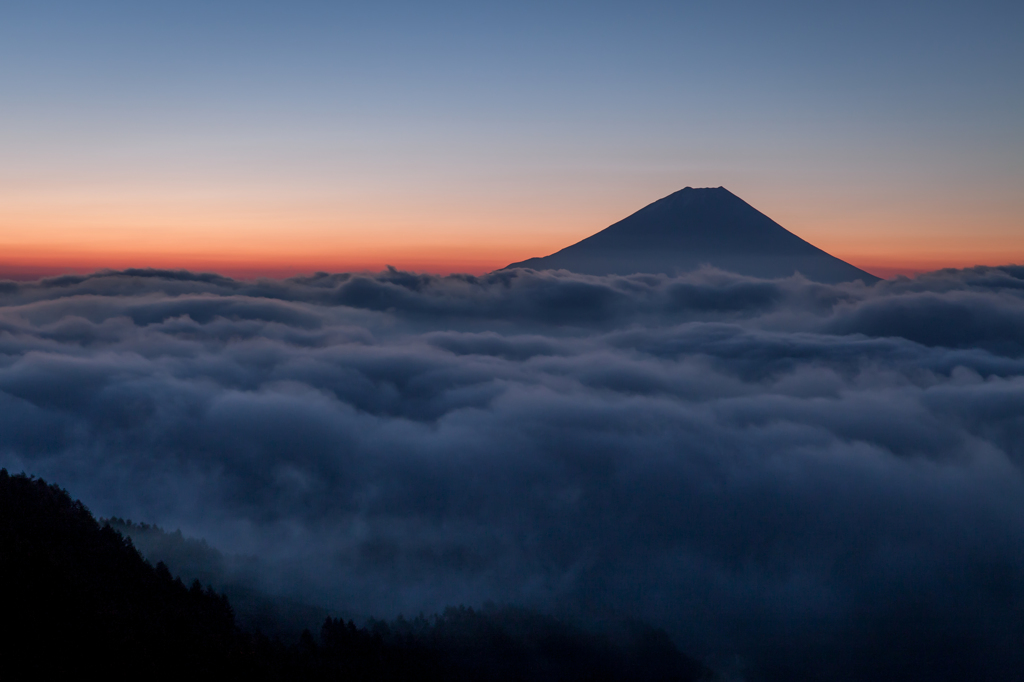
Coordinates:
795 479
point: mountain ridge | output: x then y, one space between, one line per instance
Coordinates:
694 227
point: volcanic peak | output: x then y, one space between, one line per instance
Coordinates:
695 227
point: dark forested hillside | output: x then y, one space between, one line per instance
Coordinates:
79 599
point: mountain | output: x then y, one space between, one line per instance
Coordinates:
695 227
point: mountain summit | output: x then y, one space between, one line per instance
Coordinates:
695 227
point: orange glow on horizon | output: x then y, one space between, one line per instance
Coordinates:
35 264
275 237
280 237
46 263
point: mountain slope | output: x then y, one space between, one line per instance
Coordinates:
695 227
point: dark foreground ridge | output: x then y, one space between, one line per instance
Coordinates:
695 227
80 601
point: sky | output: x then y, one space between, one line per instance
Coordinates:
270 138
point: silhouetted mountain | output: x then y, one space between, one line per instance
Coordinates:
80 601
695 227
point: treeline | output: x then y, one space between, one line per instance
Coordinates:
501 644
236 576
79 599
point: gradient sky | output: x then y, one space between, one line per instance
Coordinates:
272 138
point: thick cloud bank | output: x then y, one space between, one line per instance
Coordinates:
795 479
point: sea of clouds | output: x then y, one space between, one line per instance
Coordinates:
794 479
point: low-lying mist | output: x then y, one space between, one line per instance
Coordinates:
793 479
